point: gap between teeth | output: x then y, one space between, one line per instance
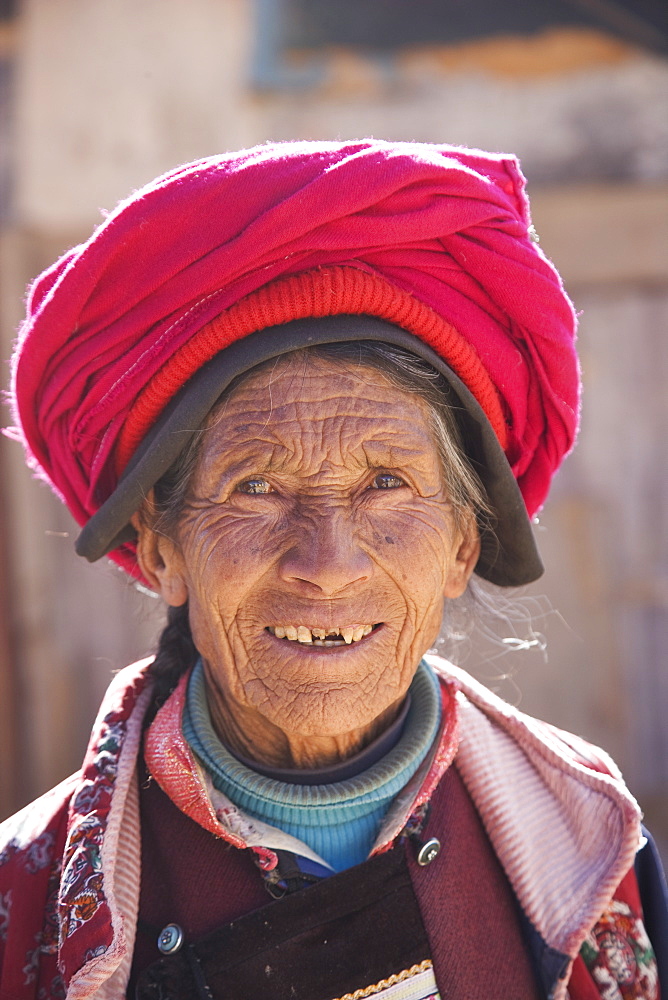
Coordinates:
319 636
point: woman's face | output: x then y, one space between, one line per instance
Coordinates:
317 548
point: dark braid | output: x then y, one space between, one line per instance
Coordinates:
176 654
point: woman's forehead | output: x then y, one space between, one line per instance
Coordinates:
319 388
298 407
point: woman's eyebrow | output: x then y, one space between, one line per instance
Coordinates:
396 454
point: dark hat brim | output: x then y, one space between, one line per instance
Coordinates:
508 557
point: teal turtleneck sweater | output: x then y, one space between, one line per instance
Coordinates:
338 820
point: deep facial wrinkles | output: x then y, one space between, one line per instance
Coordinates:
345 523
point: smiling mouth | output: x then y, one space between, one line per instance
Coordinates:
338 636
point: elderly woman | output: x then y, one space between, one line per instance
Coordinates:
304 392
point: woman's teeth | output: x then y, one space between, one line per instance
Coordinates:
340 636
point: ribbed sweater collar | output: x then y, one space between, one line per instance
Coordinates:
340 819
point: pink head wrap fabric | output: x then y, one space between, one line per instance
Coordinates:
449 225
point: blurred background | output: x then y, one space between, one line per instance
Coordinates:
96 98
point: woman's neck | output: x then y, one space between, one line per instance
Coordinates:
247 733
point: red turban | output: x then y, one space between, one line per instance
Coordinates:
448 225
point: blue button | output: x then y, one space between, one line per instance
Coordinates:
429 850
170 939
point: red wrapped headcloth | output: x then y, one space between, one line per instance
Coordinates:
436 239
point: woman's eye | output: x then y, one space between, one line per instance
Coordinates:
256 485
386 481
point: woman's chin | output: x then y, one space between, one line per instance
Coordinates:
324 711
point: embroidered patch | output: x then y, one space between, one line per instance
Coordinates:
416 983
619 956
81 886
82 882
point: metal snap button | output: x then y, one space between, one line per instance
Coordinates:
170 939
429 850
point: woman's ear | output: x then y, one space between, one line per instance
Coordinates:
466 546
159 557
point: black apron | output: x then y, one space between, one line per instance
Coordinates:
356 934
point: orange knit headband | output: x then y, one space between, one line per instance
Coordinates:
328 291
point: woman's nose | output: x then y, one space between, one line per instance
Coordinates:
326 559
